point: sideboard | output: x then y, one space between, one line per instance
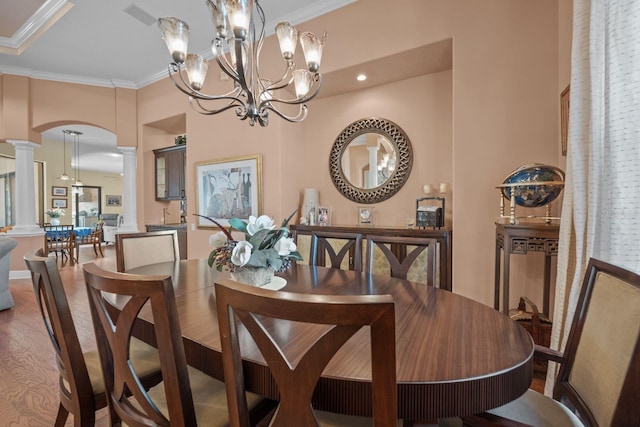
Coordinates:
443 238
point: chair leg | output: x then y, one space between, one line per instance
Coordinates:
61 418
100 248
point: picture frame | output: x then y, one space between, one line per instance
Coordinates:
59 203
59 191
228 188
113 200
564 119
324 215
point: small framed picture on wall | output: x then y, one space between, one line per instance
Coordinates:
324 215
114 200
59 203
59 192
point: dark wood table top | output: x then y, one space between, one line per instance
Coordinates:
455 356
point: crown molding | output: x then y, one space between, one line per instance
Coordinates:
40 21
297 17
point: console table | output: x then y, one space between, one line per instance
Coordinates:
520 239
442 236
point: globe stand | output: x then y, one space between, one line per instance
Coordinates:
518 190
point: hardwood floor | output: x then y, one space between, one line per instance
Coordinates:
28 374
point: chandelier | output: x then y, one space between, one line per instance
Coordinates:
76 154
237 52
64 176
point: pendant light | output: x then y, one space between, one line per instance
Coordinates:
76 149
64 176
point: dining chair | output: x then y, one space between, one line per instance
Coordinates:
60 238
82 390
186 397
400 257
94 239
342 249
599 375
296 366
138 249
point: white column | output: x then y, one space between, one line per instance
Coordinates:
129 208
373 167
25 221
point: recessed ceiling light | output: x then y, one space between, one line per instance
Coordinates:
361 77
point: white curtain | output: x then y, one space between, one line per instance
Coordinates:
601 208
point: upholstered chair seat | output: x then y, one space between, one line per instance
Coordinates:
210 399
599 377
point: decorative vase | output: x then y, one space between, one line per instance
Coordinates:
55 221
254 276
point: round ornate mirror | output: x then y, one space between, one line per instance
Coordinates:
370 160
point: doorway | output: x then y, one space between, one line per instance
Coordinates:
87 202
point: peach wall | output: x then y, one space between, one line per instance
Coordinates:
25 244
420 106
16 97
503 113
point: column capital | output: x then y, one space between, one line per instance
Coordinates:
23 144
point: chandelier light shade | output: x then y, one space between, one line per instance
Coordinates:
236 49
64 176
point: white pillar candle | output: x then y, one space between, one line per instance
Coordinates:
309 202
427 189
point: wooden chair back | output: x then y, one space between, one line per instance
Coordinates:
342 249
60 238
261 311
600 373
138 249
76 392
94 239
395 253
127 399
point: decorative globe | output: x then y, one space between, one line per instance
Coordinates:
531 194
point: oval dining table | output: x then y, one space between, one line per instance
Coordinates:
454 356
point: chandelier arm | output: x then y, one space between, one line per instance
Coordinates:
225 66
302 113
285 80
302 100
242 81
232 95
197 106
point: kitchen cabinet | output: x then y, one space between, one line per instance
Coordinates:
170 167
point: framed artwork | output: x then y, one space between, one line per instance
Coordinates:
59 203
229 188
113 200
59 191
324 215
564 119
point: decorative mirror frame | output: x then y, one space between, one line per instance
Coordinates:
395 182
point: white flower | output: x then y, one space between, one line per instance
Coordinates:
241 253
218 240
285 246
263 222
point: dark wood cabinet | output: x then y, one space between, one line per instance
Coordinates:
170 166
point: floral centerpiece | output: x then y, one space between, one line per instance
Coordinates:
265 250
55 214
